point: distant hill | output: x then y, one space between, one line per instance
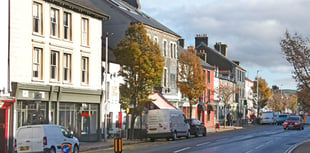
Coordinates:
289 91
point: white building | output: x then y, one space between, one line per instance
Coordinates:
55 64
249 96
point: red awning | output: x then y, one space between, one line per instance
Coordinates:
6 102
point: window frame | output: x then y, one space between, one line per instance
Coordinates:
54 22
38 64
85 70
67 67
84 31
67 26
37 21
54 66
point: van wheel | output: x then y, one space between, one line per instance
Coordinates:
52 150
174 136
75 149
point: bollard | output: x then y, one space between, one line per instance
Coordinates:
118 145
217 126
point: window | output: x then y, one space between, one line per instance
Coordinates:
37 17
67 67
175 50
37 63
84 70
67 26
54 65
165 78
54 22
171 50
209 77
85 32
165 48
209 95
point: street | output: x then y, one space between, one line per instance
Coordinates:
258 139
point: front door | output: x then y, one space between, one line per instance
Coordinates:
2 131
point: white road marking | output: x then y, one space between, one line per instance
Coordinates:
182 149
197 145
259 146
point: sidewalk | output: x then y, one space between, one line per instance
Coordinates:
88 146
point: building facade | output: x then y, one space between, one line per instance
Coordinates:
55 64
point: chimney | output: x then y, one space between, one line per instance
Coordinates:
182 42
134 3
201 38
222 48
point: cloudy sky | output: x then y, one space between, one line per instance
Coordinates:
252 29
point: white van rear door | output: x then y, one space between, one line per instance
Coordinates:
37 139
23 139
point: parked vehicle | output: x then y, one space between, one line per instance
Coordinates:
293 122
197 128
45 138
268 118
281 118
166 123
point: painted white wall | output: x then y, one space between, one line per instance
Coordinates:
22 42
4 46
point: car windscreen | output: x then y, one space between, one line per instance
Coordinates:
293 118
196 122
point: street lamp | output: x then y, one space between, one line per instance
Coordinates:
257 94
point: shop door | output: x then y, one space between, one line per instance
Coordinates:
2 131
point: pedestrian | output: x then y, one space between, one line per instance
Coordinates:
230 119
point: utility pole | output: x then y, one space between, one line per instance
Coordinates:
257 94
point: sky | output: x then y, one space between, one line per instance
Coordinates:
252 29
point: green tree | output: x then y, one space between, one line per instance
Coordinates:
142 68
190 76
264 92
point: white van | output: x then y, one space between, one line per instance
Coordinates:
268 118
45 138
166 123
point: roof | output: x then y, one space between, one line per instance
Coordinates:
83 6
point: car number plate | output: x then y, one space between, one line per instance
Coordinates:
291 126
24 148
153 129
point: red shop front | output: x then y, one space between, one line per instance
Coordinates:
6 124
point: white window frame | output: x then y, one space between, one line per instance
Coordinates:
165 48
166 77
37 18
54 29
84 70
67 26
85 32
67 66
54 65
37 62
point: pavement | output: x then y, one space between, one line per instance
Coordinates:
88 146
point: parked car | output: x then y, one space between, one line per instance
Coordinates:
268 118
197 128
166 123
45 138
295 122
281 118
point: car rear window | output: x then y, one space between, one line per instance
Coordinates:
282 115
196 122
293 118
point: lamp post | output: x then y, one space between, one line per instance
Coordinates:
257 94
106 70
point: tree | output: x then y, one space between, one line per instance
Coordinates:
227 90
142 68
264 92
275 102
190 76
303 97
292 102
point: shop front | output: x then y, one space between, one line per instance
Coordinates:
75 109
6 126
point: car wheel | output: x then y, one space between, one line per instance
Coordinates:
52 150
75 149
152 139
174 136
204 133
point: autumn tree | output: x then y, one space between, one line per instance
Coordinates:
142 68
297 52
227 90
264 92
276 102
190 76
292 102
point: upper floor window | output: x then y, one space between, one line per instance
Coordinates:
165 77
175 50
67 26
85 65
209 95
165 48
54 65
37 17
67 67
209 76
54 22
171 50
37 63
85 32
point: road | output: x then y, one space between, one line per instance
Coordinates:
258 139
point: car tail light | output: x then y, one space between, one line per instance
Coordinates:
44 141
160 125
15 145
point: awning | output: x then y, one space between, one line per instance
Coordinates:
202 106
160 101
6 102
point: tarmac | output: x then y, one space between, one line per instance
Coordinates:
88 146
